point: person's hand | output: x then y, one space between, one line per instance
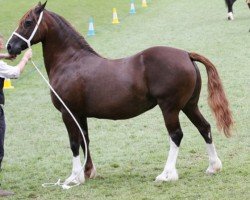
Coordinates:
28 54
10 57
7 56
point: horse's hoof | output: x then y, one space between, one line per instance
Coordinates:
75 178
167 176
214 166
80 178
91 174
230 16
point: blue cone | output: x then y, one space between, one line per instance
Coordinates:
132 7
91 31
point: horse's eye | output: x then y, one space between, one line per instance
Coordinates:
27 23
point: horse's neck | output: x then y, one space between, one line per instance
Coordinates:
54 50
61 43
51 54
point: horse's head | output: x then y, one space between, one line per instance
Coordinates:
28 32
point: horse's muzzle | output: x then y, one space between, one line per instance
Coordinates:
14 50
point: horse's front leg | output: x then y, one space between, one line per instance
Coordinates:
90 170
75 138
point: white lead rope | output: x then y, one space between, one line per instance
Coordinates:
73 181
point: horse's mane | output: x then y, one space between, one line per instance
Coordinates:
71 31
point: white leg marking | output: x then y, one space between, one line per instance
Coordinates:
170 173
77 175
215 164
230 16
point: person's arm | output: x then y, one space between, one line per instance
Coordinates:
7 71
4 56
27 56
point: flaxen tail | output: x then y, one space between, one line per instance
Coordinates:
216 96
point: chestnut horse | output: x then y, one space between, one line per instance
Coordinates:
93 86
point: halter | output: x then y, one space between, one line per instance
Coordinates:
31 36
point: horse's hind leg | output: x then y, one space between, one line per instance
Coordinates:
172 123
77 175
193 113
90 170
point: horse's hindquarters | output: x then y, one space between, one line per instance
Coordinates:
171 75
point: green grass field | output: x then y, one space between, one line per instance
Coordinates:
130 154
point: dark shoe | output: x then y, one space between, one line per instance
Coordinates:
4 193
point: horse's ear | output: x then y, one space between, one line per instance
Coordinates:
40 7
44 4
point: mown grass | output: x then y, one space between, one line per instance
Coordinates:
130 154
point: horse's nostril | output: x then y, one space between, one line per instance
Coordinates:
8 47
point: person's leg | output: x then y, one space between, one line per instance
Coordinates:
3 193
2 134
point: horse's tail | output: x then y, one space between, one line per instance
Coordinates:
216 96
